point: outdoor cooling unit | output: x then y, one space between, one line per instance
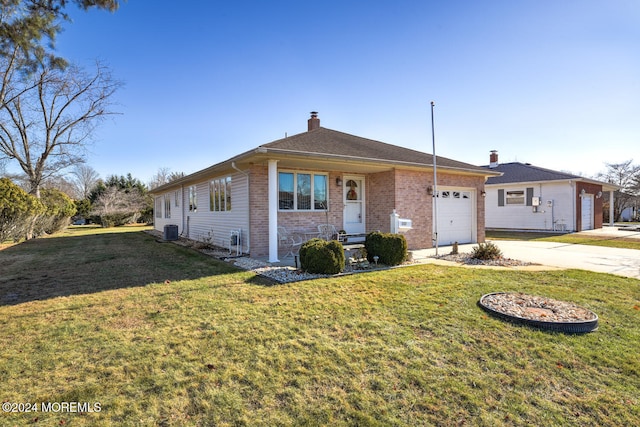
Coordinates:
170 232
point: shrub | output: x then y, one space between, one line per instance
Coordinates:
18 209
486 251
59 209
322 257
391 249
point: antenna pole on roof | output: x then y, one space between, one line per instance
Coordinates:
435 183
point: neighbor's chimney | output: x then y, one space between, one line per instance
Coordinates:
314 122
493 159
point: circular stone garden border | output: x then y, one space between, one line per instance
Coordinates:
540 312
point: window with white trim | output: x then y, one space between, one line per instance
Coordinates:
167 205
193 199
158 207
220 194
303 191
514 197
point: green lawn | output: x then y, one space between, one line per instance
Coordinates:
160 335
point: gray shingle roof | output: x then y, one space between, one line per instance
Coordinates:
521 172
323 141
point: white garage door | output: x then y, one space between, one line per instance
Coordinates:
587 212
455 216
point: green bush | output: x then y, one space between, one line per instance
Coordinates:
486 251
18 209
322 257
391 249
59 210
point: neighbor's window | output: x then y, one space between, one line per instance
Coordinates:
302 191
167 205
220 194
193 198
158 207
177 197
515 197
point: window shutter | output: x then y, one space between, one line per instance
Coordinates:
500 197
530 196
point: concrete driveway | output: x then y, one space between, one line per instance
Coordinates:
622 262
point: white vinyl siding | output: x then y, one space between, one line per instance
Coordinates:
165 214
556 206
215 226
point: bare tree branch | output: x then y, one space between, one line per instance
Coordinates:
51 117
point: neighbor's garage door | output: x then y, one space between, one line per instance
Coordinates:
455 216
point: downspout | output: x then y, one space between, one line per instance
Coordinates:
574 220
182 206
273 210
233 165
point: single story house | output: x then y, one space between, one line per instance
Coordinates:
527 197
630 213
324 176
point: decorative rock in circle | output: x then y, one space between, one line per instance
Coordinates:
540 312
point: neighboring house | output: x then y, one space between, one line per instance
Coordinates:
527 197
632 212
324 176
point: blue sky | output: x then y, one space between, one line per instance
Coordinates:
555 83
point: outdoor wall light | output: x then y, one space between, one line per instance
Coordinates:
599 194
338 182
483 193
430 190
583 192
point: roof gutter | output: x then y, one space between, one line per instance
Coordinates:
372 160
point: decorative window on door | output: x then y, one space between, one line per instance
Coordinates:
354 191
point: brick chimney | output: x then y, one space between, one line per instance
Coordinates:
314 122
493 159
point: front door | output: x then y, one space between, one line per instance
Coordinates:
354 206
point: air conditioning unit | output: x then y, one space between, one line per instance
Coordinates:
170 232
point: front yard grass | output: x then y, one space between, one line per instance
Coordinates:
162 335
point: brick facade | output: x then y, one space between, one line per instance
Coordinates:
403 190
593 189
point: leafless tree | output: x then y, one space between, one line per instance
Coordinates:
48 117
627 176
164 176
117 206
160 178
84 179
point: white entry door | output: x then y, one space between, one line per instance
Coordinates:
587 212
354 206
